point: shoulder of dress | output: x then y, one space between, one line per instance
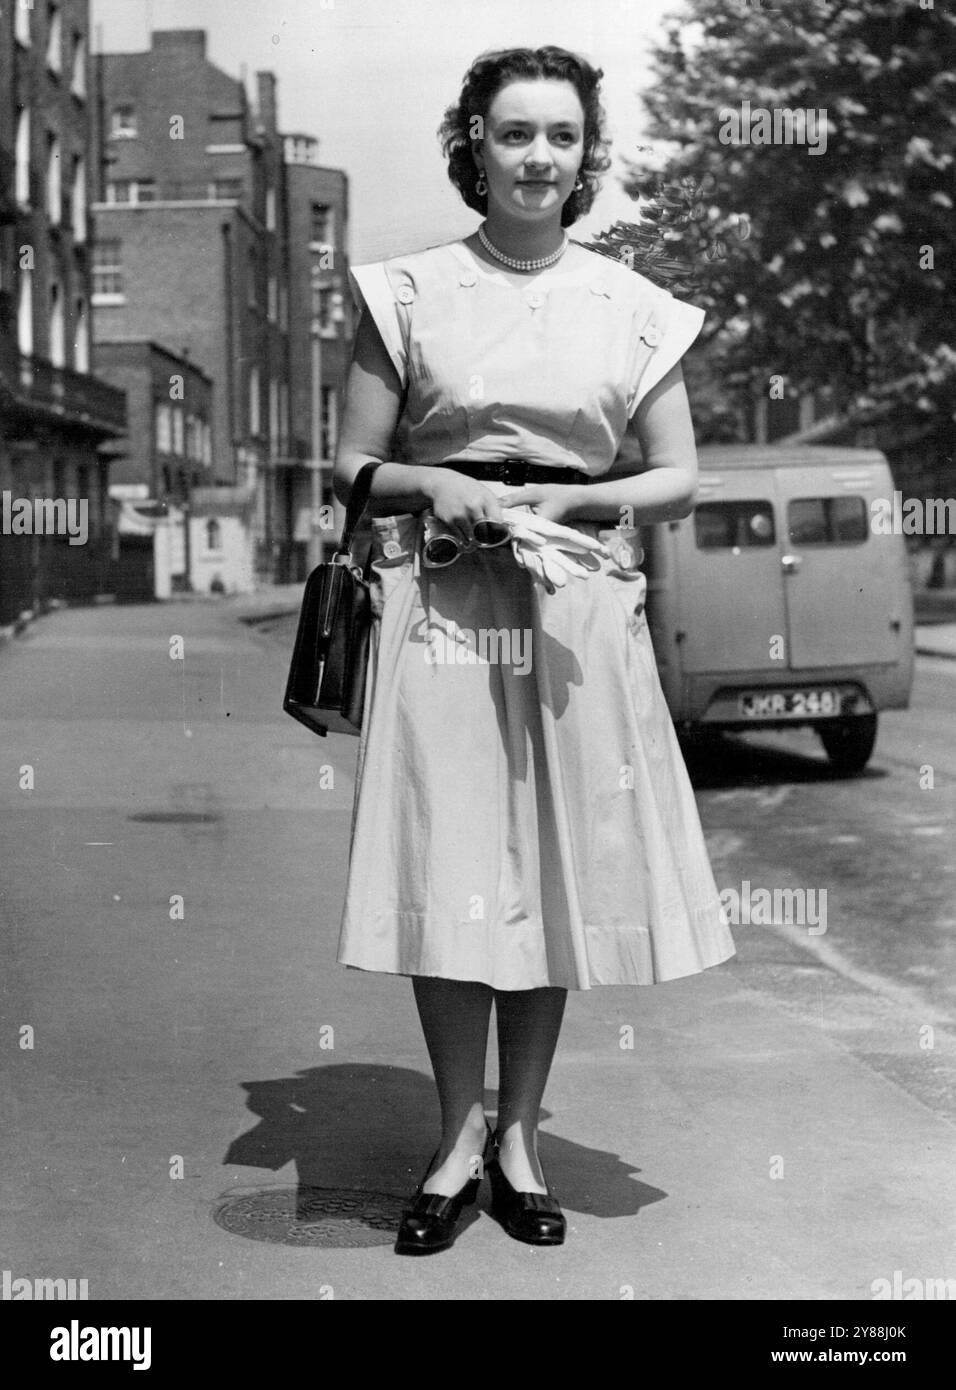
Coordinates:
401 260
631 283
418 272
652 307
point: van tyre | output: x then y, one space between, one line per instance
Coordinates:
849 742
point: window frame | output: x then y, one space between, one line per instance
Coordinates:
53 178
78 66
328 225
114 268
737 507
23 191
163 426
22 28
827 500
54 38
124 132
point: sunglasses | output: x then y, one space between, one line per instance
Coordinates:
441 549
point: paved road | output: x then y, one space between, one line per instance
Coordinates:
777 1131
880 847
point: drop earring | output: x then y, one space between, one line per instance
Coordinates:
481 187
579 185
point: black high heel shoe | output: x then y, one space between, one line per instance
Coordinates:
534 1217
428 1225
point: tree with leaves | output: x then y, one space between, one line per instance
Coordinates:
828 266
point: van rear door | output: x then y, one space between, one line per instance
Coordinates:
843 583
728 576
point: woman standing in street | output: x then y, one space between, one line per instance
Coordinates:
523 822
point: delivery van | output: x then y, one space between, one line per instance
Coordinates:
779 601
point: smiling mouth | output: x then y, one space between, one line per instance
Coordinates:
537 183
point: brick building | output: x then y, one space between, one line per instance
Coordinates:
54 414
192 245
169 404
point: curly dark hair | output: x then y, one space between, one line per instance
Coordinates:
484 79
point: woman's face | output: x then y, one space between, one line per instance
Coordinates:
533 147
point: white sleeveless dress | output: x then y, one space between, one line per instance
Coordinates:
523 815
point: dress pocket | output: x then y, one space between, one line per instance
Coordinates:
628 582
394 548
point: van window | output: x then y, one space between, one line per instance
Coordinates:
827 521
724 525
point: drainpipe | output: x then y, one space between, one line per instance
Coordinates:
230 360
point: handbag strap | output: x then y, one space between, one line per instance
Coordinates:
357 504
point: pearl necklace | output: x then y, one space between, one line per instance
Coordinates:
539 263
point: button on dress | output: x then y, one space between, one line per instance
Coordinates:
523 815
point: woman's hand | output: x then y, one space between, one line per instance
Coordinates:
554 501
458 501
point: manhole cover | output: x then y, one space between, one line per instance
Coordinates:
331 1217
173 817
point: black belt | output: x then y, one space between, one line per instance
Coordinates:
514 472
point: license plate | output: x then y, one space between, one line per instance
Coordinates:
813 703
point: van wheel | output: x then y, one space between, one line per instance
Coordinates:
849 742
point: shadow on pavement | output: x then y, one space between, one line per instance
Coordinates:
355 1127
725 760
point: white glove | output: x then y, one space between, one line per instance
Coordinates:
550 551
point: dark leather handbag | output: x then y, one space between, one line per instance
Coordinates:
326 686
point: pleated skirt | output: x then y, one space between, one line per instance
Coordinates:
523 815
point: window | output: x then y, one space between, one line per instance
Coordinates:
274 415
78 78
733 525
164 429
827 521
57 334
206 443
322 223
213 534
108 268
254 418
81 338
22 176
22 11
54 200
194 442
227 190
270 209
273 298
54 46
178 441
323 306
25 313
123 124
131 191
79 199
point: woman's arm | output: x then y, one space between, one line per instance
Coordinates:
373 402
665 488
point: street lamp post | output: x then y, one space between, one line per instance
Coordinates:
319 460
315 463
